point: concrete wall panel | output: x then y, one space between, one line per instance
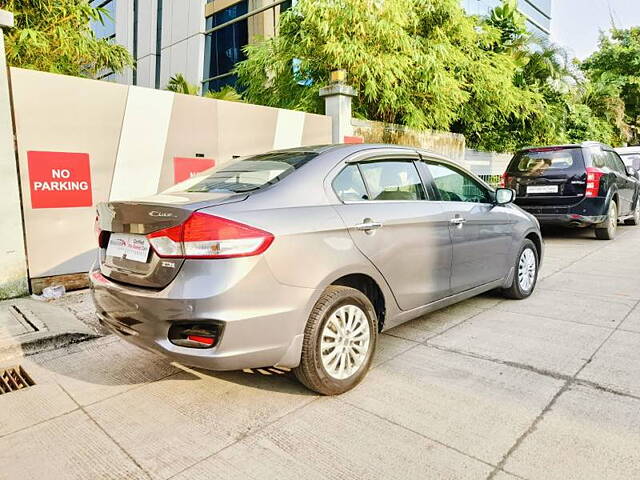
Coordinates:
192 131
70 115
142 142
13 262
131 136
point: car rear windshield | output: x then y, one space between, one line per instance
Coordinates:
246 174
537 162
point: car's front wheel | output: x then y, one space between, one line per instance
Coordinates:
339 341
635 216
526 272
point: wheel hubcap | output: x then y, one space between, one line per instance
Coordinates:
345 342
527 269
613 218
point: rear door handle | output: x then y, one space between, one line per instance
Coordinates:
368 225
458 221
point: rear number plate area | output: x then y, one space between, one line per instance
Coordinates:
542 189
128 246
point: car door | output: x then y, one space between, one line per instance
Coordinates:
626 184
392 221
481 232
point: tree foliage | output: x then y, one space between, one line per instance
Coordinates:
427 64
615 70
422 63
179 84
56 36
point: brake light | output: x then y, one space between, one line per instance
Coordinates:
504 180
207 236
593 181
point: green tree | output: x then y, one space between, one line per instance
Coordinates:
56 36
422 63
615 67
179 84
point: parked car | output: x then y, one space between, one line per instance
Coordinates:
585 185
299 258
630 156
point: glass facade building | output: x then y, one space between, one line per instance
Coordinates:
537 13
105 29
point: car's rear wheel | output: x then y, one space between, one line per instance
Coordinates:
339 341
635 218
526 272
607 229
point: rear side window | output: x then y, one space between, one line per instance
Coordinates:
616 163
246 174
392 180
349 185
543 161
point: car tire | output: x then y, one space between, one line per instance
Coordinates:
525 274
339 341
635 218
607 229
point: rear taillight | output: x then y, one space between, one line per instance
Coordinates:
593 181
504 180
208 236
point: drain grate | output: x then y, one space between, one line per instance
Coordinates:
13 379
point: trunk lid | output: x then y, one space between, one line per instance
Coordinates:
125 253
553 177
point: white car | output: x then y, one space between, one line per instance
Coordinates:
630 156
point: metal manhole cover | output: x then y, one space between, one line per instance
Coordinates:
13 379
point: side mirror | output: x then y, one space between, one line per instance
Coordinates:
505 196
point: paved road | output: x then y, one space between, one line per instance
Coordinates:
545 388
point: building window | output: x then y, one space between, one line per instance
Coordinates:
223 48
108 29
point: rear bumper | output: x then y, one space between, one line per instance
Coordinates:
262 320
570 220
588 212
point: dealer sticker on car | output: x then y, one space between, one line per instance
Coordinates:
128 246
542 189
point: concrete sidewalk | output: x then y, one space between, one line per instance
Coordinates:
545 388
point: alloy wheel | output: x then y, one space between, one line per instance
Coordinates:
527 269
345 342
613 219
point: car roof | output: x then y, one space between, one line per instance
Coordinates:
568 145
350 148
626 150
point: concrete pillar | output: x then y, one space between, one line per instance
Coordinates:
13 262
337 105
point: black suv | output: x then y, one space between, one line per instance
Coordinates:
576 185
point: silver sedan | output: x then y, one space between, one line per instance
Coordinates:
300 258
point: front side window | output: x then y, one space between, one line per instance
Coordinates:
247 174
455 186
392 180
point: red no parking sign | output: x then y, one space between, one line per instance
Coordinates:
59 179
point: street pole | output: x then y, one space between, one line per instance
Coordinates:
13 263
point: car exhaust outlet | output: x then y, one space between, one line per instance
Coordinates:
194 335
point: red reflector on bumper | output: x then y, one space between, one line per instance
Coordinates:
199 339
